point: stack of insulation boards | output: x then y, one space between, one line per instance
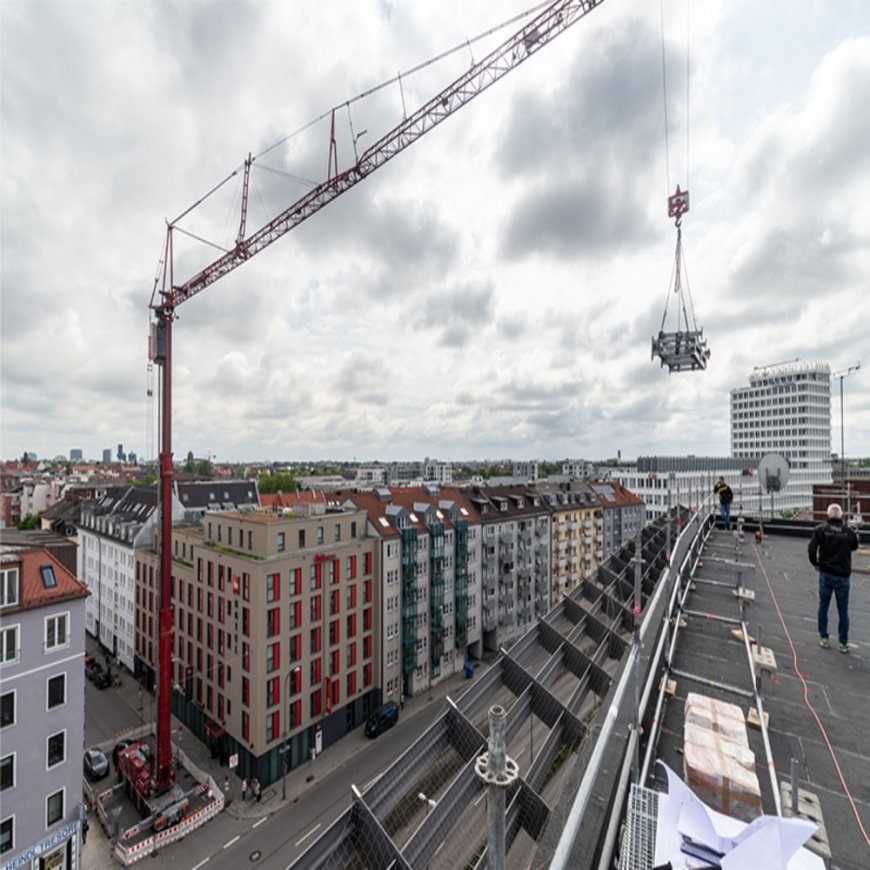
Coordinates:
718 764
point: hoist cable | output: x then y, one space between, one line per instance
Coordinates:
688 83
671 284
665 98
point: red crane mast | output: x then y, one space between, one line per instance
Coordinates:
540 30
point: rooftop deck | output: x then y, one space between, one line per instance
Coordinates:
818 700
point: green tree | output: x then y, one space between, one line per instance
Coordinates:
30 522
280 482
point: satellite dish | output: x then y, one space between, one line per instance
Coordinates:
773 471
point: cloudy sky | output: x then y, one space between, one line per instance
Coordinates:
489 292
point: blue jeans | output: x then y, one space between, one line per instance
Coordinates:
831 584
725 511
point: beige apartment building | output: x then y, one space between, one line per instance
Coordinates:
277 631
576 535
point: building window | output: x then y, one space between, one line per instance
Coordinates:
281 543
273 657
49 581
246 726
272 691
273 587
9 644
273 622
334 632
9 590
295 714
7 772
315 703
295 648
7 709
315 639
367 563
272 727
320 534
56 753
54 808
295 619
351 567
295 581
338 532
55 632
56 691
7 834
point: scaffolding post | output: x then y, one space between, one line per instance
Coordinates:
498 773
638 570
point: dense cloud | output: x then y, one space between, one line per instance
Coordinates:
490 291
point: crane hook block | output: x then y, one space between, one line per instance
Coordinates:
678 204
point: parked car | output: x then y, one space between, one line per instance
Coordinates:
382 719
96 764
92 668
101 679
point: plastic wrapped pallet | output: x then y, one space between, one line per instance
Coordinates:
714 742
719 717
721 782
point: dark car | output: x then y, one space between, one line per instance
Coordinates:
101 679
96 764
382 719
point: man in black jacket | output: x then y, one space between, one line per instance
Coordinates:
830 551
726 496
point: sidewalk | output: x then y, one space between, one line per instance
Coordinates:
336 756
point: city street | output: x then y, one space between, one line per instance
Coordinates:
275 833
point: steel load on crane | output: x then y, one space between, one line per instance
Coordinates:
539 31
685 349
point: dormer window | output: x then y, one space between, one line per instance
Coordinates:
9 587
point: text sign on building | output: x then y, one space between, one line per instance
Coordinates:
234 761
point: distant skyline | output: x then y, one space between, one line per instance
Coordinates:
492 291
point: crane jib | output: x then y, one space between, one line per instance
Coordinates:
545 27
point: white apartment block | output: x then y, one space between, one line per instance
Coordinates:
687 480
786 409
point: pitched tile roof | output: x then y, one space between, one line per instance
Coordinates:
33 591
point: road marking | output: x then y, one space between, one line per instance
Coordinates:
234 840
300 842
371 782
204 861
264 819
480 798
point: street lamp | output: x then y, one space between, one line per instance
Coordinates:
842 375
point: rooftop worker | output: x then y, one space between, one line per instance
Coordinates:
830 551
726 496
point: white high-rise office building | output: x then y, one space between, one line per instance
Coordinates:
786 409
